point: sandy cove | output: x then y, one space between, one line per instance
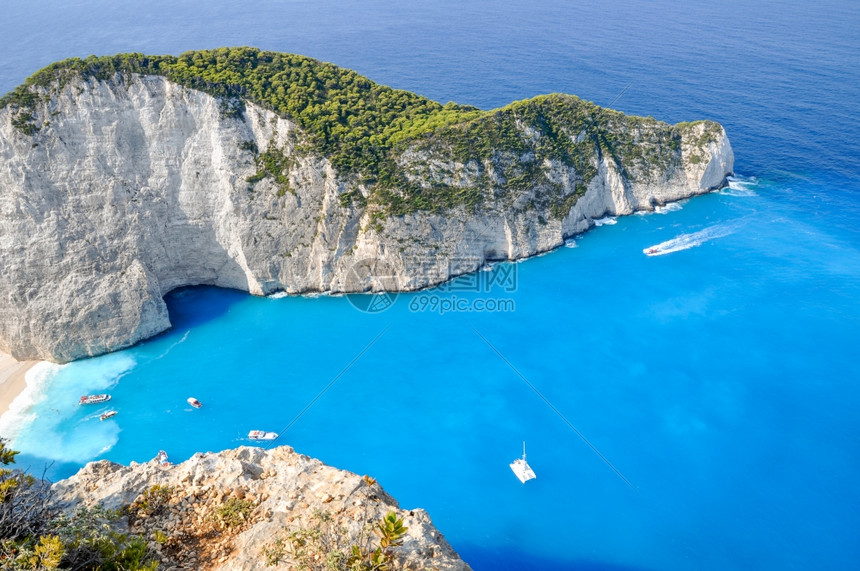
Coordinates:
12 379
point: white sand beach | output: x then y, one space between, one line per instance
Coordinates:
12 379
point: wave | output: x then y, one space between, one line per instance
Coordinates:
740 186
691 240
664 209
20 413
671 207
606 221
307 295
570 243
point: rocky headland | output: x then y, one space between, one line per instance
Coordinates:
125 177
251 508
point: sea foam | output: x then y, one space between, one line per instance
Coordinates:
60 428
740 186
20 413
606 221
671 207
664 209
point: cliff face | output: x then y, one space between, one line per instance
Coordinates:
129 187
278 492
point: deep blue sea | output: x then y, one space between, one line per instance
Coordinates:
720 380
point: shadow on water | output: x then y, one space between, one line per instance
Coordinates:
192 306
510 559
45 468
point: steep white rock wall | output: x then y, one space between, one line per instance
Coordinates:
136 186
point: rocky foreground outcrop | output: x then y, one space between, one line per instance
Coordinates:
236 509
116 189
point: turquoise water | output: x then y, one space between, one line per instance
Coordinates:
720 380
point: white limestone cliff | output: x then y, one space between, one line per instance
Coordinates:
136 186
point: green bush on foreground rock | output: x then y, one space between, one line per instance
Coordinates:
151 502
234 512
322 543
35 536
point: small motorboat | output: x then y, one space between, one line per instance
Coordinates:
262 435
651 251
107 415
161 458
521 468
194 402
93 399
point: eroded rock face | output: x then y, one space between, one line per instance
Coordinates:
282 491
136 186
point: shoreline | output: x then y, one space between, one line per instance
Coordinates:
13 379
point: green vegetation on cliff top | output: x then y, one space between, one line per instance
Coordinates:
362 126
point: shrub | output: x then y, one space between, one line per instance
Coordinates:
24 501
234 512
153 501
273 163
91 542
48 553
33 536
323 545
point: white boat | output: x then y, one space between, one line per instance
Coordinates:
522 469
194 402
161 458
262 435
93 399
107 415
652 251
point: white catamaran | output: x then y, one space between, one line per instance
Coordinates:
522 469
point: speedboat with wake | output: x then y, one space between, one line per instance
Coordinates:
262 435
107 415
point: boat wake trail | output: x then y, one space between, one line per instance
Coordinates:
691 240
174 345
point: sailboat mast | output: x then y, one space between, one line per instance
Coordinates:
524 449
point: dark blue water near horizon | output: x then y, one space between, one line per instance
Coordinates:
721 380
